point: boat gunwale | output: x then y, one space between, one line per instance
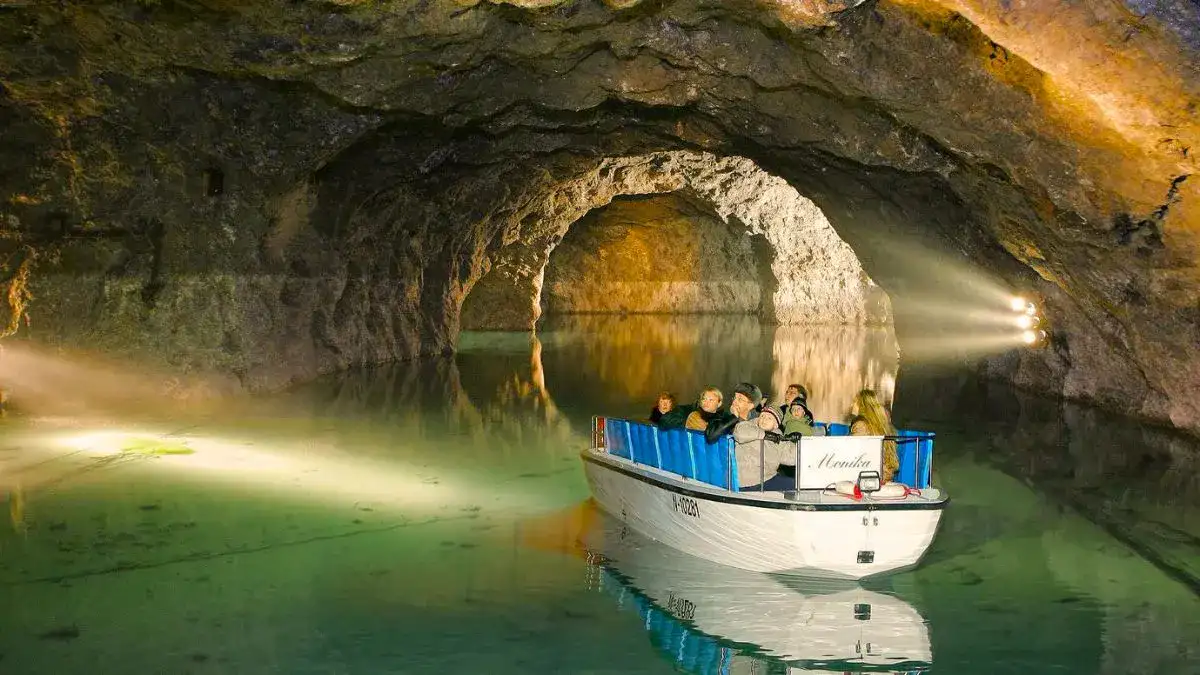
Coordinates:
714 494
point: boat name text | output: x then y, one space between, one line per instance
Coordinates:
831 461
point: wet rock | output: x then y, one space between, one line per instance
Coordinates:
375 172
652 256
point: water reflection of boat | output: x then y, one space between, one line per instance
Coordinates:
709 618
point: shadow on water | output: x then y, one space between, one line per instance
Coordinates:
1140 483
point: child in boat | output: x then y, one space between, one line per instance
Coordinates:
798 420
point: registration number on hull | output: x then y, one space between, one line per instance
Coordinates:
686 505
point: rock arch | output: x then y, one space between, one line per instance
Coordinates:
818 277
1051 144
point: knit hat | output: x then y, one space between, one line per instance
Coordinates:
771 411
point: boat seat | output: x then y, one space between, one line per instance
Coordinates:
681 451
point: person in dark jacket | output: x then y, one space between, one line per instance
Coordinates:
709 409
746 402
664 405
793 392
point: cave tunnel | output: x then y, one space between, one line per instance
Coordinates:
320 269
330 186
658 255
726 239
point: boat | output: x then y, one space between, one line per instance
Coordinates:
837 521
710 618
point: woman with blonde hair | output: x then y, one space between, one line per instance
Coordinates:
872 419
710 405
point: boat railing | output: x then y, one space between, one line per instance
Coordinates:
914 449
687 452
681 451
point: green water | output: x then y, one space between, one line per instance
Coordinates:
424 518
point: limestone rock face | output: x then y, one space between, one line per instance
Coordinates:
815 277
658 256
273 190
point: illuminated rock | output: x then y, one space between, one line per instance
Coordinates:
277 190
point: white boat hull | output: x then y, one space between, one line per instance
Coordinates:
816 535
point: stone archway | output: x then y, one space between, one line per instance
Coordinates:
658 254
819 279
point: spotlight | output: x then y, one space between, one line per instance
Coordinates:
1017 304
1029 337
1025 321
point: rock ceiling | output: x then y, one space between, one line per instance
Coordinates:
357 142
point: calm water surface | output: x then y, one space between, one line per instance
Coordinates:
430 518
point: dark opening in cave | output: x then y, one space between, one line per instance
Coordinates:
214 182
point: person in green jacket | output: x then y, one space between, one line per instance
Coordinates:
799 420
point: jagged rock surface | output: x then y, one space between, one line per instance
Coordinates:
661 256
279 189
814 275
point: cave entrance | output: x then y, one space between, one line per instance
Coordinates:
658 254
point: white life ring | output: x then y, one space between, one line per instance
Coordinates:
849 488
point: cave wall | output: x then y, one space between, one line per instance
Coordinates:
817 276
378 158
654 256
137 255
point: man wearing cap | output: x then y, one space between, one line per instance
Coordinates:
755 431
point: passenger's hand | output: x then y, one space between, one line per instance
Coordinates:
793 437
772 436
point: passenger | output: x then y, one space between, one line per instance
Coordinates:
873 420
710 409
677 417
756 435
799 420
743 407
790 394
666 402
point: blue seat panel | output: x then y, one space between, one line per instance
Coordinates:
682 451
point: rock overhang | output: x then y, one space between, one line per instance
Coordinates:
973 119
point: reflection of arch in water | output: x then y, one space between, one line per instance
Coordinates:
508 391
618 364
709 618
16 509
835 363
